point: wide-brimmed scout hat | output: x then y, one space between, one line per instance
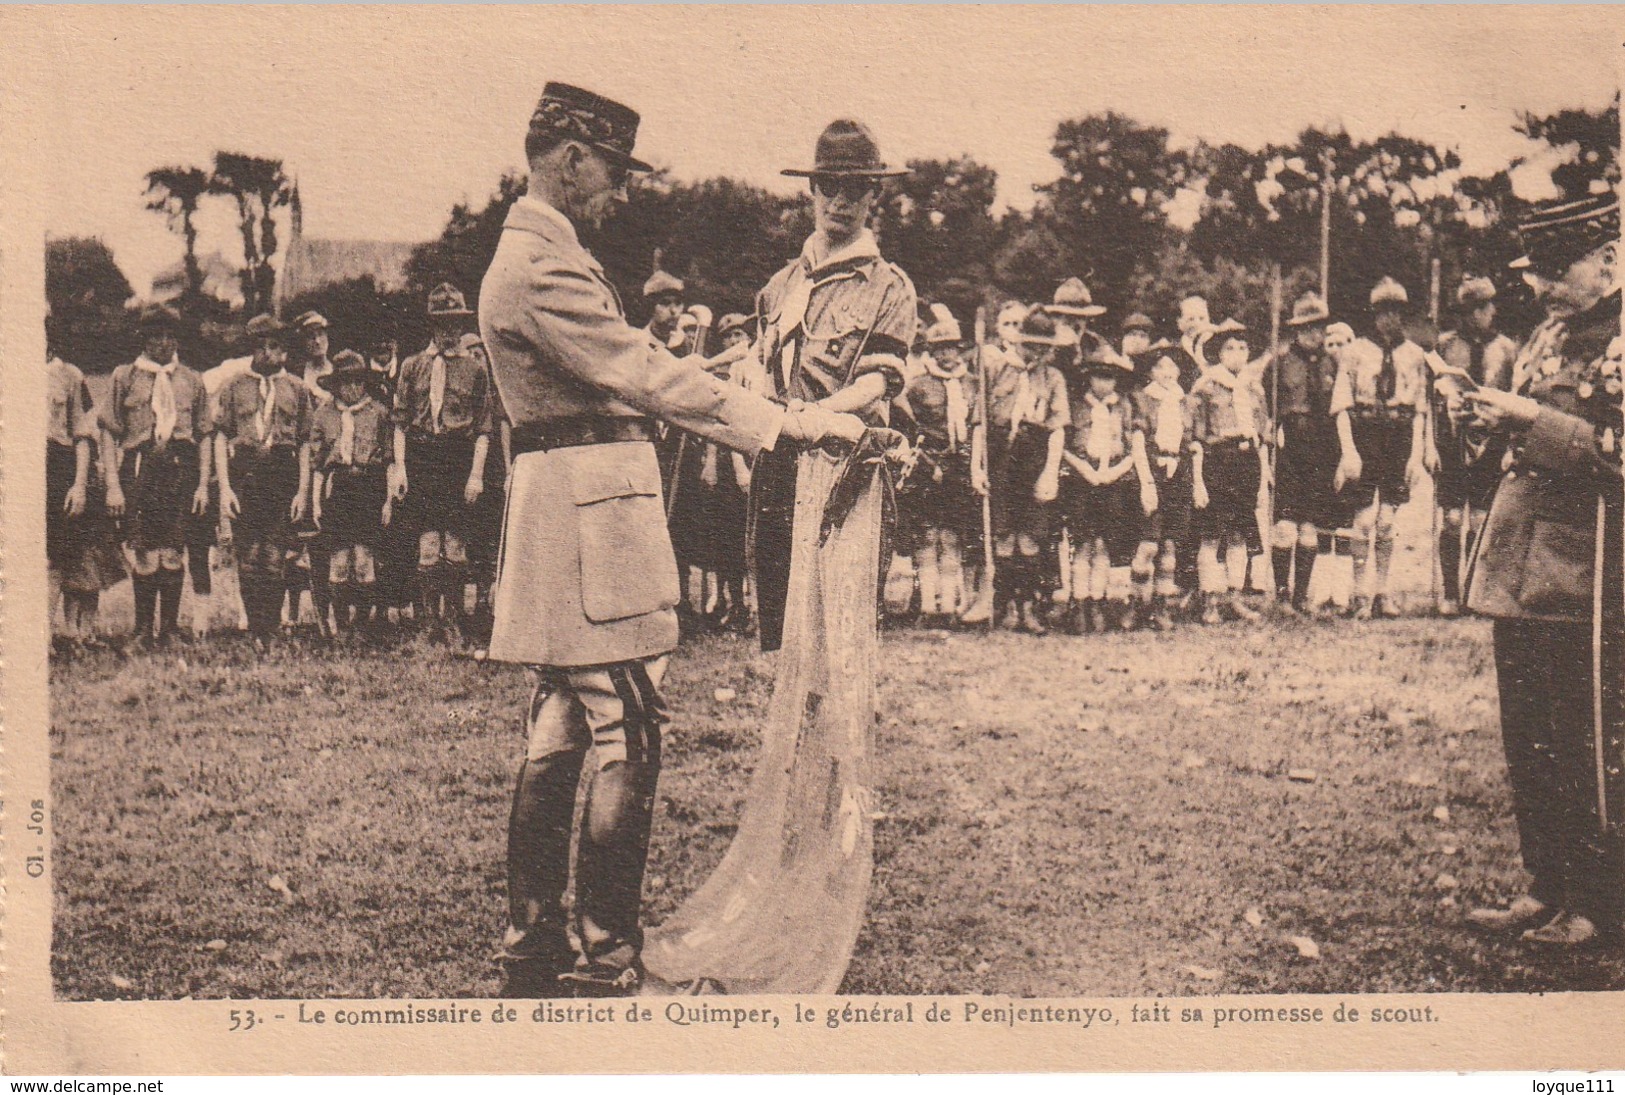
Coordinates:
1389 293
1308 309
846 149
585 116
661 284
1557 234
734 321
944 329
349 365
1219 333
310 320
1475 291
158 318
447 300
265 325
1102 359
1138 321
1038 328
1072 299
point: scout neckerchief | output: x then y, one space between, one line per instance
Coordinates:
164 412
954 389
437 386
1241 399
267 411
1025 399
1100 444
346 447
815 269
1170 426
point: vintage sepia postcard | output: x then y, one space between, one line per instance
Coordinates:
734 538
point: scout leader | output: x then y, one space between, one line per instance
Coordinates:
837 324
1104 488
444 417
350 441
1549 572
1380 406
588 585
1229 425
1306 507
937 507
264 461
1468 466
159 421
1016 458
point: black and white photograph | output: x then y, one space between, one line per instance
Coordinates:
556 504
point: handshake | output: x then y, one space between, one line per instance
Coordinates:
809 426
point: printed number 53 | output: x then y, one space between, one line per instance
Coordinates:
243 1020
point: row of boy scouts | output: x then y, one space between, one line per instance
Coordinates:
370 483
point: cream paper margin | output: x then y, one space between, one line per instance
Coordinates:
45 1036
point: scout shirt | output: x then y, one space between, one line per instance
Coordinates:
1487 357
1536 557
820 308
68 404
1305 387
370 437
1102 429
587 572
249 422
1225 408
466 408
1165 419
131 418
1018 395
938 402
1359 375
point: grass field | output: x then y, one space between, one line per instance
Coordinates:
1120 815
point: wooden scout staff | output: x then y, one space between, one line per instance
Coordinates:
1275 400
987 496
1434 562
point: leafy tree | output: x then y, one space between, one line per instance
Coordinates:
463 251
937 223
85 292
258 186
175 192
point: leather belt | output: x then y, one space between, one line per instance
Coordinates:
565 433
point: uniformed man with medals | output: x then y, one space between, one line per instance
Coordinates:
1548 571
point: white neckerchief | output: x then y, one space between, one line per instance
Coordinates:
164 413
1024 396
437 387
815 259
954 388
1101 421
263 420
1169 399
1241 396
346 450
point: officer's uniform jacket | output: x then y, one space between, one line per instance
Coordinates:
1536 556
586 574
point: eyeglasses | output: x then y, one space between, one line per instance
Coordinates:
851 188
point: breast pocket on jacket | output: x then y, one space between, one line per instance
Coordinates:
1557 571
625 551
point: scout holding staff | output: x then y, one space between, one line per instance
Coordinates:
1016 449
350 441
588 582
1468 465
1549 572
444 417
1306 508
937 508
1106 485
1229 427
1165 425
81 551
1380 404
262 450
159 421
312 557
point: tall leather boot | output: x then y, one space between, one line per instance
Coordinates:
609 868
536 946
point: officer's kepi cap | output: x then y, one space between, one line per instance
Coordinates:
1558 234
585 116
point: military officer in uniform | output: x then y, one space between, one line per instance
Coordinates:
1467 465
1548 570
588 586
